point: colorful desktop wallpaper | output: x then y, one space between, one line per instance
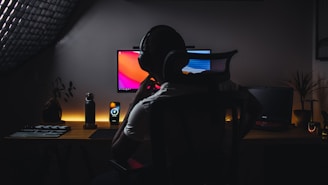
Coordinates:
198 65
129 72
130 75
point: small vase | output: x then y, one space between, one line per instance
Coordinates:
52 112
303 117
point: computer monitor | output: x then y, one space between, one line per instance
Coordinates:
277 104
130 75
198 65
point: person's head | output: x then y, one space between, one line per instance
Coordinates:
155 46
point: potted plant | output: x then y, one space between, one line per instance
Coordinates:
303 84
52 111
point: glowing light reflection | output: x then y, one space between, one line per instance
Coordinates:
74 116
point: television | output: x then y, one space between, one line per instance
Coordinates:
130 75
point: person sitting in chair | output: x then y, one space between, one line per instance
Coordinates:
157 43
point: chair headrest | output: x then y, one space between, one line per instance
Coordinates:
176 60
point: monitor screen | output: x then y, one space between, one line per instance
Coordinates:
130 75
277 103
198 65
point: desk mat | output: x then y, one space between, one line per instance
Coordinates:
103 134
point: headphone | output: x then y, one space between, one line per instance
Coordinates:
146 60
174 61
144 55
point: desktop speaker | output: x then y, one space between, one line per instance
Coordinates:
114 113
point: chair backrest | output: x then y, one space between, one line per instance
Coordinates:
191 141
217 59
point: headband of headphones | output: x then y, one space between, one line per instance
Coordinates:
153 46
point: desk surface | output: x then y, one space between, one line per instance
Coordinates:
77 132
292 135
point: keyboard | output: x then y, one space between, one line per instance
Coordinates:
41 131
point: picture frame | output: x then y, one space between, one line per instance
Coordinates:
321 43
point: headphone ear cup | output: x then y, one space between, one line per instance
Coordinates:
144 61
174 62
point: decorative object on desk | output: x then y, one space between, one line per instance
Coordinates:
52 111
325 118
304 85
314 127
322 95
303 117
324 132
114 113
90 112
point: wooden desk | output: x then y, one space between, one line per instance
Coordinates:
77 131
291 156
293 135
59 159
262 153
